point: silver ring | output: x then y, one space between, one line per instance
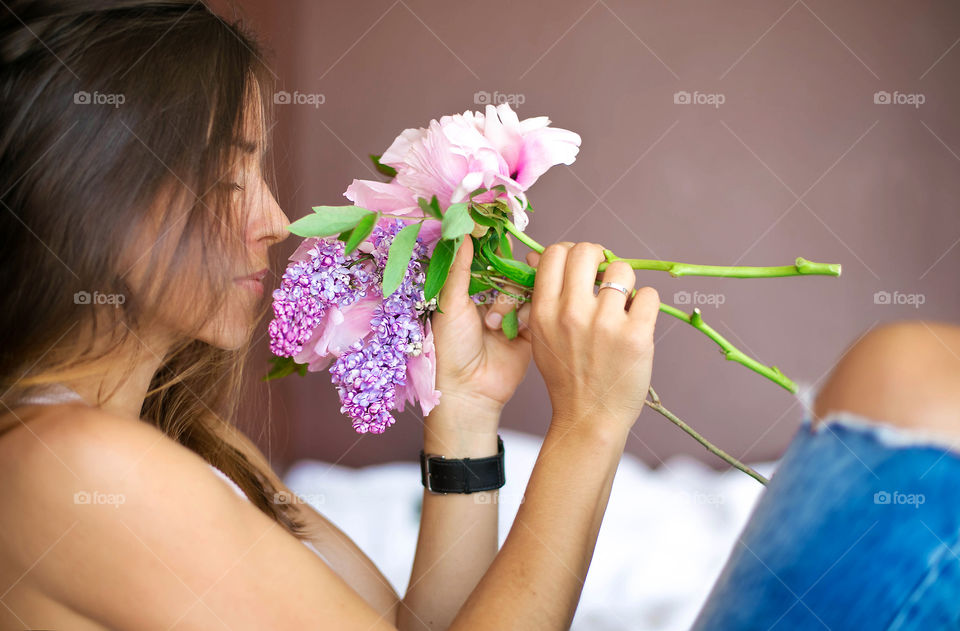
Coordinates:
623 290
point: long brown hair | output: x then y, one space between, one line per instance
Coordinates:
121 119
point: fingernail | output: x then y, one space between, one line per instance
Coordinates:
493 319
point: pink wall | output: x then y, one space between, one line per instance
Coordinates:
798 160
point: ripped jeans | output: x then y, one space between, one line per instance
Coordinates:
859 529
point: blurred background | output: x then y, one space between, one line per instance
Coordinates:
742 132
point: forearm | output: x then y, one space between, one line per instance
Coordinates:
458 532
536 579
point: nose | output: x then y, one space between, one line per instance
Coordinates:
272 227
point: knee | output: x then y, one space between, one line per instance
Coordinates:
904 373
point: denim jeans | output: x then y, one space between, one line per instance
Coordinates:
859 529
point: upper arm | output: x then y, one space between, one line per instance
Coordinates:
905 373
135 531
340 552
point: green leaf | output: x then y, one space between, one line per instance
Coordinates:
477 285
481 219
457 221
439 268
478 192
505 246
398 258
345 235
510 324
431 208
283 366
360 232
328 220
382 168
518 272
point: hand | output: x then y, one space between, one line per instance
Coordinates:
595 352
476 363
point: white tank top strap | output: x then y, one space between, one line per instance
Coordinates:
49 394
233 485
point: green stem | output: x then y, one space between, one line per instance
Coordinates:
731 352
654 403
522 237
801 267
695 319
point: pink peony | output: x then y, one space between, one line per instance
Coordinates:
337 331
460 153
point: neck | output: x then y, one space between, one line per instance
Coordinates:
126 378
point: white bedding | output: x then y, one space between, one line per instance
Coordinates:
664 538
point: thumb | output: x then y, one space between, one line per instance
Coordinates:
458 279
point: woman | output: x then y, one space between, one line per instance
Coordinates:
135 230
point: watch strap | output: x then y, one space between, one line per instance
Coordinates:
462 475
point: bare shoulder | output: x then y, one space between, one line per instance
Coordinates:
64 460
111 512
42 433
906 373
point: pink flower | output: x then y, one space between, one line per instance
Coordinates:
421 377
387 197
460 153
337 331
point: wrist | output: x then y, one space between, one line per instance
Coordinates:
477 404
461 427
593 428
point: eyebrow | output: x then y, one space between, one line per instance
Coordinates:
251 148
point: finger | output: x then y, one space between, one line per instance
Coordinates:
523 322
458 278
580 273
645 306
501 305
549 280
610 300
523 316
533 258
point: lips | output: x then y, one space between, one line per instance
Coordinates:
256 276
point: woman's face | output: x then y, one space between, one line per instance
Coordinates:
265 226
244 267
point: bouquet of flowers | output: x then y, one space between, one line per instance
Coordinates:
358 292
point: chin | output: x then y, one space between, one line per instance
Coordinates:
230 336
230 340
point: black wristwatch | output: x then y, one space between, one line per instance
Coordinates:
466 475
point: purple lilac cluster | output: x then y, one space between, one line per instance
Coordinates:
307 287
371 374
